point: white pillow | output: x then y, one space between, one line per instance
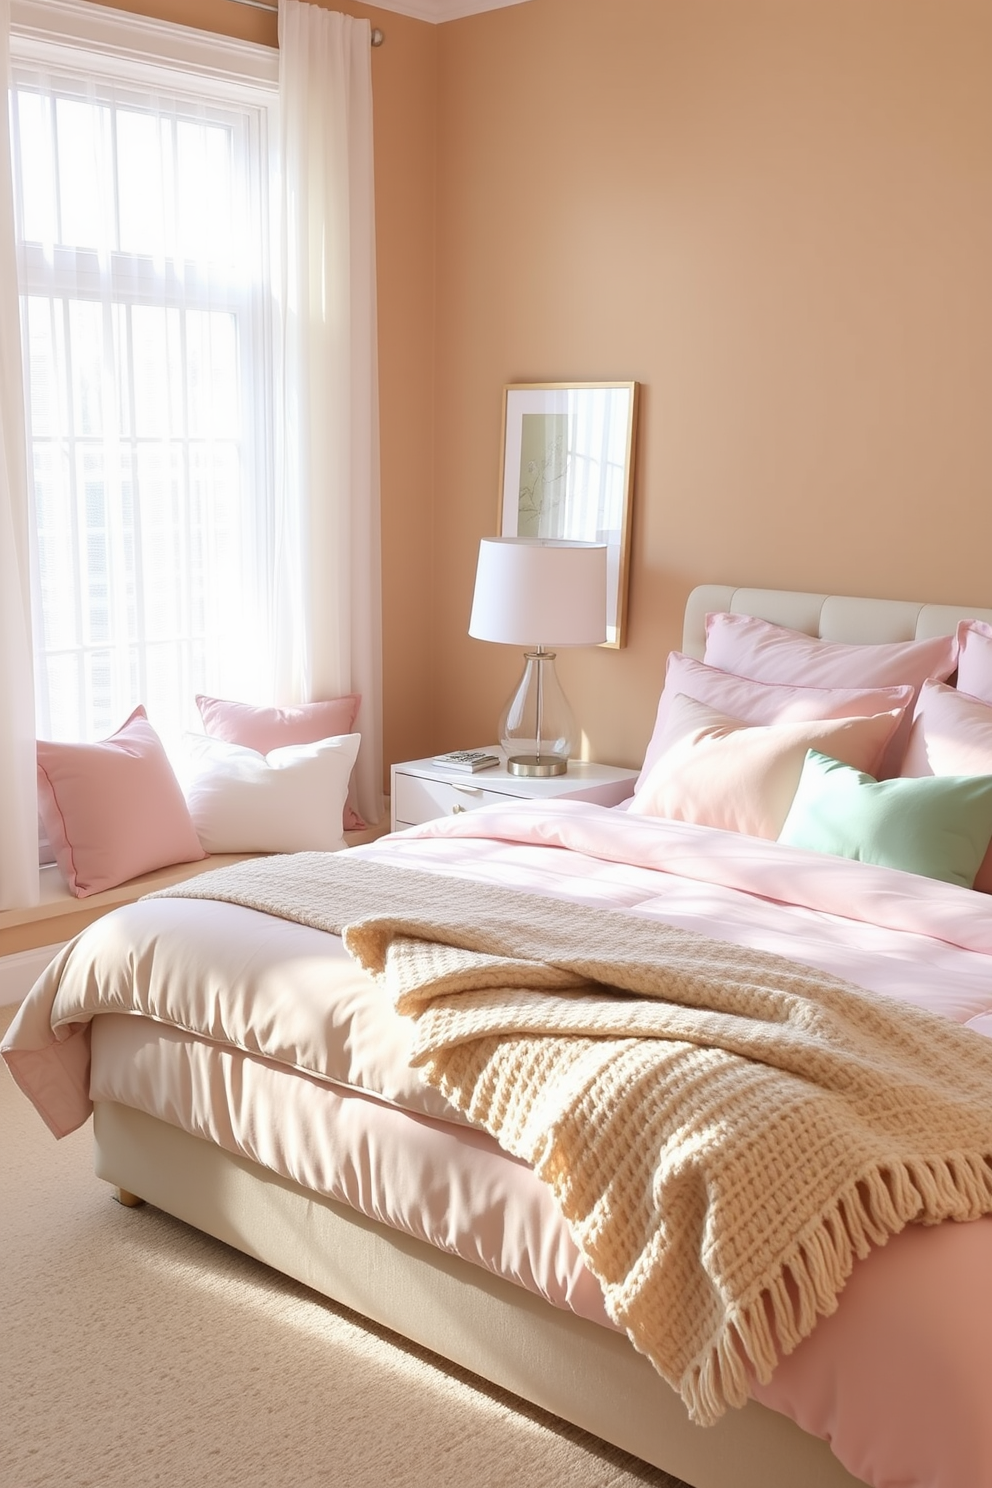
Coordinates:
289 800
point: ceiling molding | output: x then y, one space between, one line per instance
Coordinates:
43 16
437 11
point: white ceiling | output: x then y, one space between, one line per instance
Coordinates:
443 10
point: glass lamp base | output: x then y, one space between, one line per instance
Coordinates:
537 730
536 764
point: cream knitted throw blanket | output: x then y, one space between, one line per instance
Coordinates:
724 1130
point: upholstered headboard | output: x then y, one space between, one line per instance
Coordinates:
832 617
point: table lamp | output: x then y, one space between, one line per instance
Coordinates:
539 593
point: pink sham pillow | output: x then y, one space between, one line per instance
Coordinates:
975 659
952 735
772 653
113 810
763 702
721 772
265 729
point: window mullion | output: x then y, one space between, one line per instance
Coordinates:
184 513
78 526
140 635
53 114
119 388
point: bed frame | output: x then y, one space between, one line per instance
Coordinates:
583 1373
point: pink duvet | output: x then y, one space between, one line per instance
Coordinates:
896 1380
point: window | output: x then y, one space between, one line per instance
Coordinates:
143 267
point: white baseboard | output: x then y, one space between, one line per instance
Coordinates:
19 972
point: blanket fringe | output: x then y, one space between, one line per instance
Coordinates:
758 1333
813 1273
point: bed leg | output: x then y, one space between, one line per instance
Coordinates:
129 1200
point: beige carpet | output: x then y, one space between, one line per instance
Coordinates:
135 1351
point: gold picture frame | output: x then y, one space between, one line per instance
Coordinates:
567 471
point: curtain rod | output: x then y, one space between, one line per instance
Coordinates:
378 37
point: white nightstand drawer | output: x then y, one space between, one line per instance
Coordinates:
418 800
423 790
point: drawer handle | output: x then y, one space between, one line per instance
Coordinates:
456 809
466 790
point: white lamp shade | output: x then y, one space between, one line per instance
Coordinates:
539 592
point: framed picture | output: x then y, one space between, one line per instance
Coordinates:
568 472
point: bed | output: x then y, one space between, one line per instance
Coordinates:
327 1156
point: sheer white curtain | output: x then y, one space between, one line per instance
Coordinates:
142 277
18 793
328 583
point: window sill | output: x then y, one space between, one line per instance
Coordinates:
60 915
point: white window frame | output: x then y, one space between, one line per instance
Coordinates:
68 37
127 46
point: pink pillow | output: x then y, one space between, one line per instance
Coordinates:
771 653
115 809
265 729
762 702
975 659
952 735
720 772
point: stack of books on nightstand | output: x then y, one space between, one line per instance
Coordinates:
469 760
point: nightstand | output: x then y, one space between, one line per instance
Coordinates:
422 791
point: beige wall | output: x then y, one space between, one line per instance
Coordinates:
776 215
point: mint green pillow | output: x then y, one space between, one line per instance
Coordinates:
938 826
